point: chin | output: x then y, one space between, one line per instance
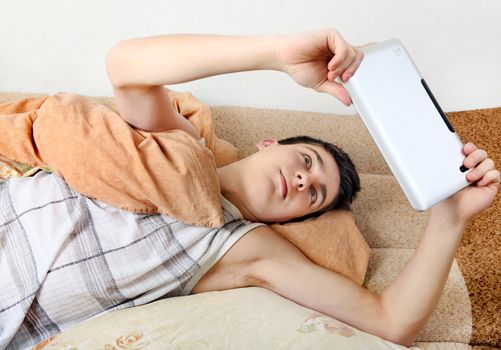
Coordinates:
276 219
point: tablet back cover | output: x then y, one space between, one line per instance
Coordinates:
413 134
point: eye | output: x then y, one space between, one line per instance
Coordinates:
307 160
314 195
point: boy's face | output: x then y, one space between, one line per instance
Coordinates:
283 182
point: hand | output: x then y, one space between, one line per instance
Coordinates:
477 197
315 59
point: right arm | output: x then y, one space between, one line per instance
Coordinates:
139 68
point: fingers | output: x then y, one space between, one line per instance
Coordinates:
346 58
339 48
483 168
473 155
480 170
348 73
468 148
491 177
354 66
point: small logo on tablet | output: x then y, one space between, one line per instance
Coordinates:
397 52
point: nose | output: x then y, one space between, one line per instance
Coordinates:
303 181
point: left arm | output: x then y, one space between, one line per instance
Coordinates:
396 314
400 311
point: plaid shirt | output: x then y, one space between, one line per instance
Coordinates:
65 258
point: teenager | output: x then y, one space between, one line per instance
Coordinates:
67 257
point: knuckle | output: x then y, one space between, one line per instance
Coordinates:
469 162
353 53
341 55
470 148
481 153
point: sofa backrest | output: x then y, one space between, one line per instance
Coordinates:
245 126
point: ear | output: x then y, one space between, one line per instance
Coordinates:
267 142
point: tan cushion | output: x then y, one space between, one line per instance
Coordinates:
333 241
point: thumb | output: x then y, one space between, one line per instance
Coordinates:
335 89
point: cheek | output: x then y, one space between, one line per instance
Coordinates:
260 187
301 202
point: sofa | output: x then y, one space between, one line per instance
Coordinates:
468 315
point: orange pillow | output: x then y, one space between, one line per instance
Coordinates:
331 240
134 170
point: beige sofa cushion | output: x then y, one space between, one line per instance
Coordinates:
384 215
245 318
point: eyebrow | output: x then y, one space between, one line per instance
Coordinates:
320 161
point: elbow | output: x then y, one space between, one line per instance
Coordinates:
396 329
115 62
402 338
398 335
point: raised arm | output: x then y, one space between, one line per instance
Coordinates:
400 311
138 68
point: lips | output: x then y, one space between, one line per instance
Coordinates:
284 185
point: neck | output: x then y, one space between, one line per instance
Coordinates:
233 189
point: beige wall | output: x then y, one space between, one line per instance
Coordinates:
59 45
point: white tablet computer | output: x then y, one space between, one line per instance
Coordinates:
412 132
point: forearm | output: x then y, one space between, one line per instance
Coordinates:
414 294
173 59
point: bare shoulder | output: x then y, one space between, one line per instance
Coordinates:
237 268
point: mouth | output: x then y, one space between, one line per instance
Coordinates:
284 185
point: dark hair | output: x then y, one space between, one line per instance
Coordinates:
350 181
